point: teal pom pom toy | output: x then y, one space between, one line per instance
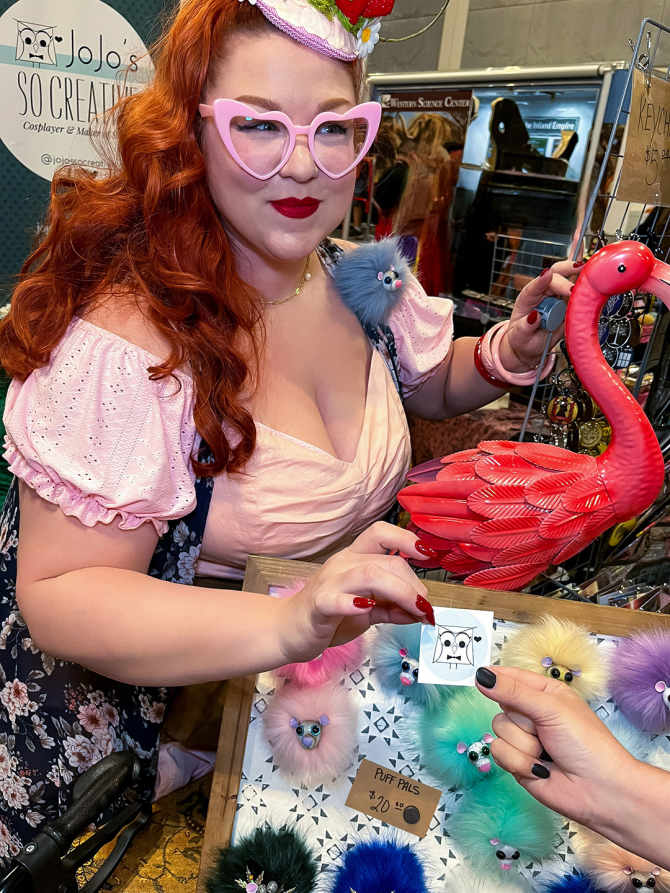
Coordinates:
269 860
396 661
371 280
455 741
502 827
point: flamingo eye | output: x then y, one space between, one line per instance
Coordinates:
621 268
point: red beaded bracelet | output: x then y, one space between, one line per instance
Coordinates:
483 371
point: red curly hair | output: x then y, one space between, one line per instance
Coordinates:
150 228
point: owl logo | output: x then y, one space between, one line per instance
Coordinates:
36 43
454 646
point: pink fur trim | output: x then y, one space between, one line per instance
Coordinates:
338 737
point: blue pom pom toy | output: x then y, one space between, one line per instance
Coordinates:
503 826
380 867
396 661
571 883
371 280
454 740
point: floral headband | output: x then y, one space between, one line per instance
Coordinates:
344 29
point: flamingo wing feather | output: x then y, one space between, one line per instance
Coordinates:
512 576
587 495
548 491
504 533
447 528
546 455
562 524
500 501
508 470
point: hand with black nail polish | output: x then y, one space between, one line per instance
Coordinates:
589 776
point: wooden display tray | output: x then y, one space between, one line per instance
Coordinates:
262 573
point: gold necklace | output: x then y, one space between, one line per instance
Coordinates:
306 276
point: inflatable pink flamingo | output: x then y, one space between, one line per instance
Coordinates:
502 513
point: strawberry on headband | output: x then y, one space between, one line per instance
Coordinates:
344 29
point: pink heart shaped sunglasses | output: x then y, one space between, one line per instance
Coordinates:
262 142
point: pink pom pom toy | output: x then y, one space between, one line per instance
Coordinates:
640 680
312 732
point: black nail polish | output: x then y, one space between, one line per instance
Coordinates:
540 771
486 678
544 756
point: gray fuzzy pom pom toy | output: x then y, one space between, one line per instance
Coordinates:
371 280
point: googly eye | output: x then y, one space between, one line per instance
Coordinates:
486 750
473 756
300 731
568 676
316 730
555 672
516 854
404 666
651 882
415 672
636 882
500 854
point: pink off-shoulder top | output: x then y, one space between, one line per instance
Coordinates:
93 434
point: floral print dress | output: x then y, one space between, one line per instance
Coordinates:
58 718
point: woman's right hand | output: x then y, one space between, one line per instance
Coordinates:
354 589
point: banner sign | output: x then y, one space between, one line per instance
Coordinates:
62 65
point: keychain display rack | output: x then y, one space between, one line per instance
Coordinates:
633 334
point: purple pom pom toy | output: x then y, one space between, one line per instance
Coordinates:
640 682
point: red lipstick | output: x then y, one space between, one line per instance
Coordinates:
296 207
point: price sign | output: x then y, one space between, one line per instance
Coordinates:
395 799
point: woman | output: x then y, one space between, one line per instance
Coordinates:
189 389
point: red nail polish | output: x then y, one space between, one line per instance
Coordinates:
579 263
425 607
532 317
425 549
360 602
545 271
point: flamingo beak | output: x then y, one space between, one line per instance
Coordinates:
658 282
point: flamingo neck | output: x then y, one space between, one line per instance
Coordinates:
632 464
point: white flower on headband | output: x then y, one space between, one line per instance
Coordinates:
252 2
368 37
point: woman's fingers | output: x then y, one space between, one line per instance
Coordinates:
510 731
524 692
517 762
382 538
363 587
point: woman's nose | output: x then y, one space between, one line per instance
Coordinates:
300 165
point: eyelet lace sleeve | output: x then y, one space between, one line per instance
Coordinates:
423 329
93 434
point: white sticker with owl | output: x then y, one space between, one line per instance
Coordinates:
453 649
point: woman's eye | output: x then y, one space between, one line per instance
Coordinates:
253 125
332 128
404 666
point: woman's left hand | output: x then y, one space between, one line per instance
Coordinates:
523 342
